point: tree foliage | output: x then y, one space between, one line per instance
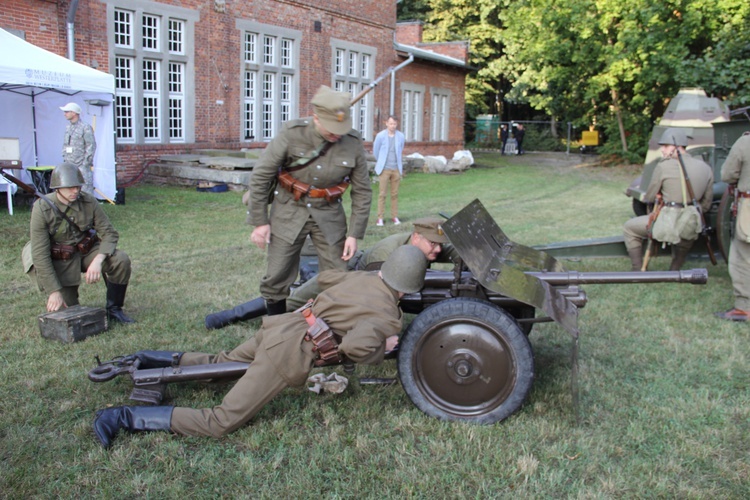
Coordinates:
613 63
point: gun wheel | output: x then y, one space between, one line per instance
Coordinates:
465 359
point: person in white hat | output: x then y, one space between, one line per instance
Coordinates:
79 145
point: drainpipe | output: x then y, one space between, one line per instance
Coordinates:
71 30
393 82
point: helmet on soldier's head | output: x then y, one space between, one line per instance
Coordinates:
674 137
404 269
66 175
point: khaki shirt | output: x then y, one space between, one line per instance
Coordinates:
378 253
666 180
735 169
357 305
48 227
345 158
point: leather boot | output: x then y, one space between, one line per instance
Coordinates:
679 256
636 259
275 308
109 421
243 312
157 359
115 301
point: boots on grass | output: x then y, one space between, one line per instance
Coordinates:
636 258
275 308
115 301
679 256
109 421
243 312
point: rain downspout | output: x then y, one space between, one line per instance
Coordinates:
71 29
392 111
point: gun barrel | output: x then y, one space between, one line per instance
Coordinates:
171 374
692 276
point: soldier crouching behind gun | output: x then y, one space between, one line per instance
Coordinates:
359 308
71 234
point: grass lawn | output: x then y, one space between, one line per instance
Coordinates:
664 386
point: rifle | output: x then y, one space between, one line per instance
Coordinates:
704 227
21 184
650 249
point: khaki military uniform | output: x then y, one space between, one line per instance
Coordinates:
736 171
79 146
358 306
291 221
369 259
666 180
48 227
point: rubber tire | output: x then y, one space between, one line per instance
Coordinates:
471 333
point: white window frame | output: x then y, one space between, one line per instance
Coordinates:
269 74
147 42
352 70
439 114
412 105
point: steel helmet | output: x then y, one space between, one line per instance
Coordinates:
66 175
404 269
674 137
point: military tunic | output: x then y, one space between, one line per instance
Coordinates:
291 221
666 180
358 306
48 227
366 259
79 146
736 171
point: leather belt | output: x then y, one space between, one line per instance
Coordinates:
742 194
299 189
675 204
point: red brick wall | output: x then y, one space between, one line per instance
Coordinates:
217 55
409 33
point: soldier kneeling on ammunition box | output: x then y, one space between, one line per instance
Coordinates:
356 316
70 235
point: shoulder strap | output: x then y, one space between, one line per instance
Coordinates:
61 214
301 163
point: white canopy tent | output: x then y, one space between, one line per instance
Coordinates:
34 83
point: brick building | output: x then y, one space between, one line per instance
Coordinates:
225 74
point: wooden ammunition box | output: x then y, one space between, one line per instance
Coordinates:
73 324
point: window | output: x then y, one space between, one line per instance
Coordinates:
352 72
153 66
270 88
411 111
439 114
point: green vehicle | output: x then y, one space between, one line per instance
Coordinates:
712 129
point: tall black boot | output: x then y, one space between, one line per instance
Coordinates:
115 301
109 421
249 310
275 308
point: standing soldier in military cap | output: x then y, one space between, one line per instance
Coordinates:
70 235
428 236
79 145
358 313
667 180
736 172
314 160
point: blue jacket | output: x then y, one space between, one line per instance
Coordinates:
380 150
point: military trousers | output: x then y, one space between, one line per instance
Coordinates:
259 385
739 271
310 288
390 178
284 257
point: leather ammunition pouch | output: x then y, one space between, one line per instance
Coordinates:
325 343
58 251
87 243
298 189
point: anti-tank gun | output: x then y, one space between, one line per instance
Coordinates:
466 355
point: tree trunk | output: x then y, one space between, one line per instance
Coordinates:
618 114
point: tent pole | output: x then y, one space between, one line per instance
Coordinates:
33 118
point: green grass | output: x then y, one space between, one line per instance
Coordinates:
664 399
